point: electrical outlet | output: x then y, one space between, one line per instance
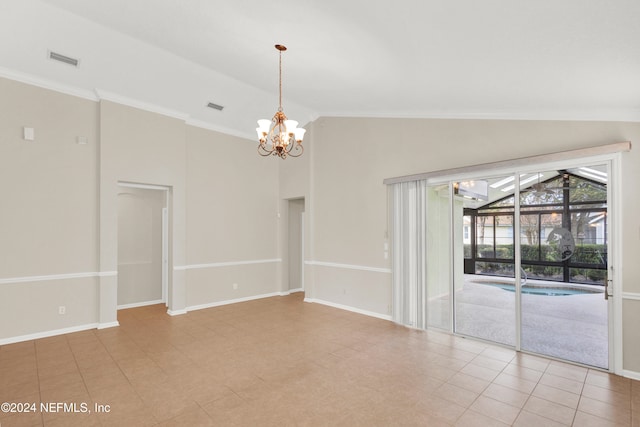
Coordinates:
62 309
235 286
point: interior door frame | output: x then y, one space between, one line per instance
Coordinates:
614 209
165 235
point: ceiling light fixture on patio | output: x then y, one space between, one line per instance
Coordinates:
279 136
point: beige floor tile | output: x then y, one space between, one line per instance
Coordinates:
530 361
583 419
61 381
623 400
616 414
556 395
554 411
139 368
15 392
54 367
195 417
21 420
523 372
440 408
456 394
506 395
562 383
446 362
515 383
529 419
480 372
564 370
10 376
498 353
140 418
72 392
97 380
439 372
610 381
494 409
123 400
469 382
490 363
74 420
475 419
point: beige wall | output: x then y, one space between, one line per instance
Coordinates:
48 211
232 217
631 336
48 186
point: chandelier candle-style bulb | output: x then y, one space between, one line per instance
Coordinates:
279 136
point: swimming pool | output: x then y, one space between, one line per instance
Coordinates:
531 290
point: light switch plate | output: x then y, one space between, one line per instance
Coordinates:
28 134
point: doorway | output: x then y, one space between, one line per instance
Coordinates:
295 236
536 254
142 245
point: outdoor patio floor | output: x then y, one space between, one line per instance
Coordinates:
569 327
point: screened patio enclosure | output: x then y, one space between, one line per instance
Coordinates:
551 204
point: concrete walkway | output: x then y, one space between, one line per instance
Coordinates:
571 327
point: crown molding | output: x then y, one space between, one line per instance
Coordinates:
222 129
627 115
104 95
32 80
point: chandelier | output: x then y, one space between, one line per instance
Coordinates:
279 136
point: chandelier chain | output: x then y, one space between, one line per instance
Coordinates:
280 82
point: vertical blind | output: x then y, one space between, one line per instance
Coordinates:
408 255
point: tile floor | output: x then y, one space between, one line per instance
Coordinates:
282 362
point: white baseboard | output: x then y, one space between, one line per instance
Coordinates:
631 374
349 308
139 304
233 301
47 334
176 312
292 291
108 325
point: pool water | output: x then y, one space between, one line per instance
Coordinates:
552 292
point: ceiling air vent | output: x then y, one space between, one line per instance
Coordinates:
62 58
215 106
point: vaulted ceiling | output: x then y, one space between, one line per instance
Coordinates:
544 59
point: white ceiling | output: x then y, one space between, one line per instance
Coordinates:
543 59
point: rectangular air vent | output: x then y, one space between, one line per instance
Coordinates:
62 58
215 106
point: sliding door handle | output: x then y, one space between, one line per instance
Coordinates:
606 289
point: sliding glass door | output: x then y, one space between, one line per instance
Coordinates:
483 308
530 262
564 248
